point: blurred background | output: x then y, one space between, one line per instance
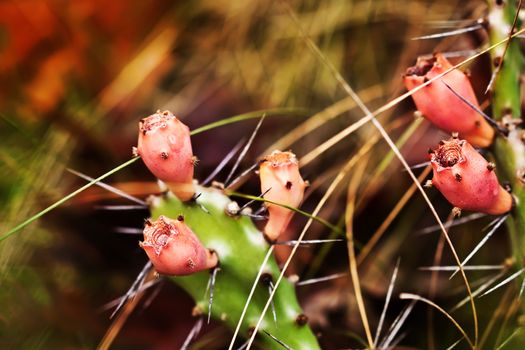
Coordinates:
78 75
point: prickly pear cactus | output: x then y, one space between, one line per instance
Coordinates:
241 248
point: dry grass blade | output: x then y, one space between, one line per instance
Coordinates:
349 216
509 338
318 119
65 199
410 296
455 344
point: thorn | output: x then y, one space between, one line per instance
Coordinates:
222 164
280 342
288 185
449 33
270 290
212 288
307 242
456 212
147 222
458 177
136 285
428 184
455 135
244 151
135 151
491 166
121 207
195 330
108 187
321 279
164 155
180 218
507 186
194 160
489 120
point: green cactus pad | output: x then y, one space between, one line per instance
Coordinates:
241 249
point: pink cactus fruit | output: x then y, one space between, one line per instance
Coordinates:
282 183
441 106
165 147
174 249
467 180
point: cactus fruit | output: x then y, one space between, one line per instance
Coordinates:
241 249
174 249
165 147
441 106
467 180
281 182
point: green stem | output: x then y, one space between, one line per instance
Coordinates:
506 108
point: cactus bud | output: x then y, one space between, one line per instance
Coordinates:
467 180
441 106
174 249
165 147
282 183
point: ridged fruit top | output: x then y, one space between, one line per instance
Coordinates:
282 183
165 147
174 249
467 180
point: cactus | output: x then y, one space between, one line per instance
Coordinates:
221 233
241 249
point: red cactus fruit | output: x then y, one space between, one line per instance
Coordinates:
467 180
174 249
282 183
165 147
441 106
